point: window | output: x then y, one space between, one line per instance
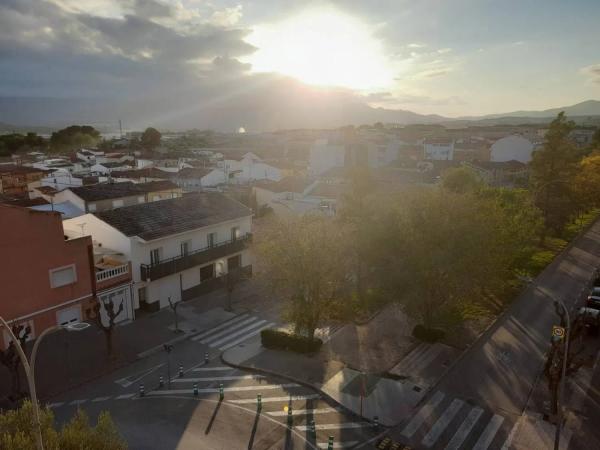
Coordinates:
235 262
63 276
91 207
141 199
235 233
186 247
211 239
155 256
142 295
207 272
156 198
118 203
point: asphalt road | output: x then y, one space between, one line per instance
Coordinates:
488 388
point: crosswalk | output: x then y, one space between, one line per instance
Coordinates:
280 401
233 332
453 424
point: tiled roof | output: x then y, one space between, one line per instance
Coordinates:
167 217
106 191
287 184
48 190
150 172
195 172
11 168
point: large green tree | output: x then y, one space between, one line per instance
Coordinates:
304 261
17 431
150 138
553 169
461 180
74 138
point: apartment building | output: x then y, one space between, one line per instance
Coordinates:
16 180
178 248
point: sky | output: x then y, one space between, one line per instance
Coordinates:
448 57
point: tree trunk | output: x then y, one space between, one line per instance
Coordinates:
109 342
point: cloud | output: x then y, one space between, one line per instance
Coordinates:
227 17
592 72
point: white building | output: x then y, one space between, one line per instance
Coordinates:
382 154
325 155
178 248
438 149
510 148
249 168
191 178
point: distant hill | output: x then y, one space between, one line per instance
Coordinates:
587 108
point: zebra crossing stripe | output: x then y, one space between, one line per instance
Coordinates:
100 399
511 436
78 402
442 423
125 396
422 415
334 426
486 438
345 444
265 387
464 429
212 337
247 336
303 412
243 401
55 404
226 378
219 327
212 369
236 333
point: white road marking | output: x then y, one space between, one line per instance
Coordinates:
247 336
219 327
422 415
125 396
488 434
126 382
303 412
78 402
237 333
212 369
55 404
226 378
100 399
334 426
511 436
228 330
346 444
243 401
465 428
265 387
442 423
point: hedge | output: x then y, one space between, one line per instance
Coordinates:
280 340
425 334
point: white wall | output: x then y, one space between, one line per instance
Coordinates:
67 195
61 180
440 152
511 147
325 156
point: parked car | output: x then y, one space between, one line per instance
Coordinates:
591 319
593 300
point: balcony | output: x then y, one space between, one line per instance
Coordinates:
112 276
205 255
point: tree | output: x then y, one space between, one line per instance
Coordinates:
304 261
150 138
587 181
112 312
173 306
461 180
232 279
10 357
74 137
17 431
553 169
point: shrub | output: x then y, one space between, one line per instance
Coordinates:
280 340
425 334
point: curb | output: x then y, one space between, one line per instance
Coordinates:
297 381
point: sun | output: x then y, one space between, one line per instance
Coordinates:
321 47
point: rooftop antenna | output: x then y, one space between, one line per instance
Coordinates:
120 129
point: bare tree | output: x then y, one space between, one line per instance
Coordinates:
232 279
112 313
174 308
10 357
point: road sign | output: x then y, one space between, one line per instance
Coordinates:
558 332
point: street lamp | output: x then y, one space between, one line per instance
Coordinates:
29 369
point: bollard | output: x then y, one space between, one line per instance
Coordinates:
376 422
161 382
290 418
206 358
196 389
180 370
259 401
313 428
221 392
142 392
330 443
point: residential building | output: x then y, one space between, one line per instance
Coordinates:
105 196
141 175
510 148
438 149
265 193
178 248
16 180
248 169
326 154
500 173
193 178
105 168
50 277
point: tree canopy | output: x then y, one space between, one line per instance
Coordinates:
15 142
74 138
461 180
150 138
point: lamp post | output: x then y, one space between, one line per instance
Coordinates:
29 369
